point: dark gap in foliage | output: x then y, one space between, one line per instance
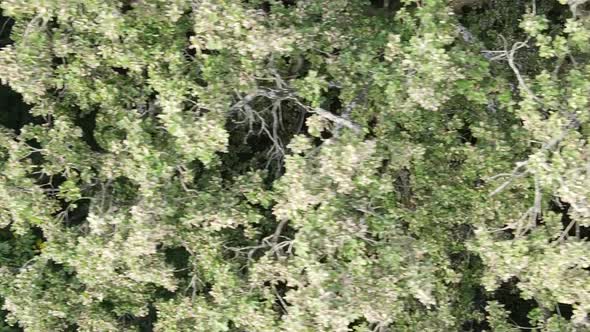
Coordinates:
259 136
50 183
54 267
207 287
508 234
14 113
6 234
485 23
333 102
127 6
469 9
584 233
201 82
509 295
244 149
6 24
37 233
403 131
189 51
3 326
280 289
58 93
466 135
178 257
233 327
72 328
295 66
479 183
163 293
455 163
112 131
377 7
291 67
303 68
266 6
382 169
564 310
146 323
558 206
326 134
128 320
478 305
123 191
56 62
289 3
472 295
377 3
51 25
197 168
258 143
87 122
357 323
148 105
210 52
78 215
120 70
238 246
335 52
403 188
301 123
555 12
107 305
558 12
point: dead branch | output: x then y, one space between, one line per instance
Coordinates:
280 95
269 242
516 174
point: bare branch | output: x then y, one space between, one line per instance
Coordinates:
288 94
565 232
516 174
536 210
271 242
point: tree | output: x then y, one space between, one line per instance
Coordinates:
227 165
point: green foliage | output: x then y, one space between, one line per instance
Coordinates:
227 165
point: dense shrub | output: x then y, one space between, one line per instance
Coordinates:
312 165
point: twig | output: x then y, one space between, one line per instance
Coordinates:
510 58
271 241
281 301
516 174
565 232
338 120
278 230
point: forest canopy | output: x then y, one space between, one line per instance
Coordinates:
294 165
